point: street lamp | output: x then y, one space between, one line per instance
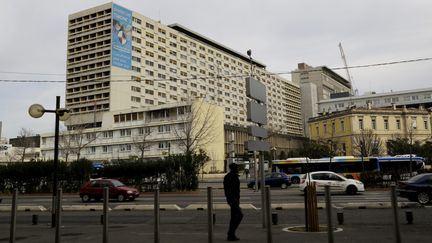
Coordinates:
274 152
37 111
331 152
413 126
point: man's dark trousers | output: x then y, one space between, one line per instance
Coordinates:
236 218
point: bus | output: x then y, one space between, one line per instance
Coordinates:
349 166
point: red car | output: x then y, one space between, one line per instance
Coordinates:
117 190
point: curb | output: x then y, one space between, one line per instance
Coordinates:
83 208
149 207
219 206
379 205
8 208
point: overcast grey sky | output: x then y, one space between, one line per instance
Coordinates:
281 33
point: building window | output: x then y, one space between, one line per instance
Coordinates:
92 150
414 122
147 101
374 123
106 149
125 132
108 134
361 127
386 124
398 124
164 128
125 147
342 124
425 123
164 145
135 99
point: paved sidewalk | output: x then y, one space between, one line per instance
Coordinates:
361 225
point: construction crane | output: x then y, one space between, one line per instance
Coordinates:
346 67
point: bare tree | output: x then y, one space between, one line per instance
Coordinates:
367 143
74 141
197 127
66 145
141 142
24 143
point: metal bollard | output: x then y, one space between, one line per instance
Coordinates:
214 218
157 216
409 216
210 214
58 215
395 214
105 215
329 218
267 213
35 219
13 216
340 217
274 218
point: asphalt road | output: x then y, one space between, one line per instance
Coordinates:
183 199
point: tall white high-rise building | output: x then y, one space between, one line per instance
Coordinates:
118 59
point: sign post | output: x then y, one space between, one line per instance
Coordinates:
257 113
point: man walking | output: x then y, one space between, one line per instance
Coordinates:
232 194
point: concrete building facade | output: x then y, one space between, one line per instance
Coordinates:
119 59
146 133
316 84
339 129
408 98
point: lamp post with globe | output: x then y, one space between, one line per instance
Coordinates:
37 111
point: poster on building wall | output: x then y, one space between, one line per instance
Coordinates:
121 37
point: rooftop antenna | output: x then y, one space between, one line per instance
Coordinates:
346 68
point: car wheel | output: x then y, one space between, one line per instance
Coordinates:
295 180
351 190
284 186
132 199
423 198
85 198
121 198
412 199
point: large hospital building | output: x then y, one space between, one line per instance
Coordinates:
121 62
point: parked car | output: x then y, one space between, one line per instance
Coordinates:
117 190
337 183
275 179
418 188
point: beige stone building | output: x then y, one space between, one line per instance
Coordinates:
340 128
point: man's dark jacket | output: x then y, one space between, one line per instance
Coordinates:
232 187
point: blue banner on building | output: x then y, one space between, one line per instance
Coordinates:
121 37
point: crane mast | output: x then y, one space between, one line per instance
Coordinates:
346 66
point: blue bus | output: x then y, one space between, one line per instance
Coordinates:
349 166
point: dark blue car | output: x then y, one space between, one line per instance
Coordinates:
275 179
418 188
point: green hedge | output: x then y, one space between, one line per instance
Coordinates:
38 176
175 173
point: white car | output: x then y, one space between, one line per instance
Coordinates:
337 183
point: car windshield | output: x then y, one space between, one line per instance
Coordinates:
117 183
416 178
